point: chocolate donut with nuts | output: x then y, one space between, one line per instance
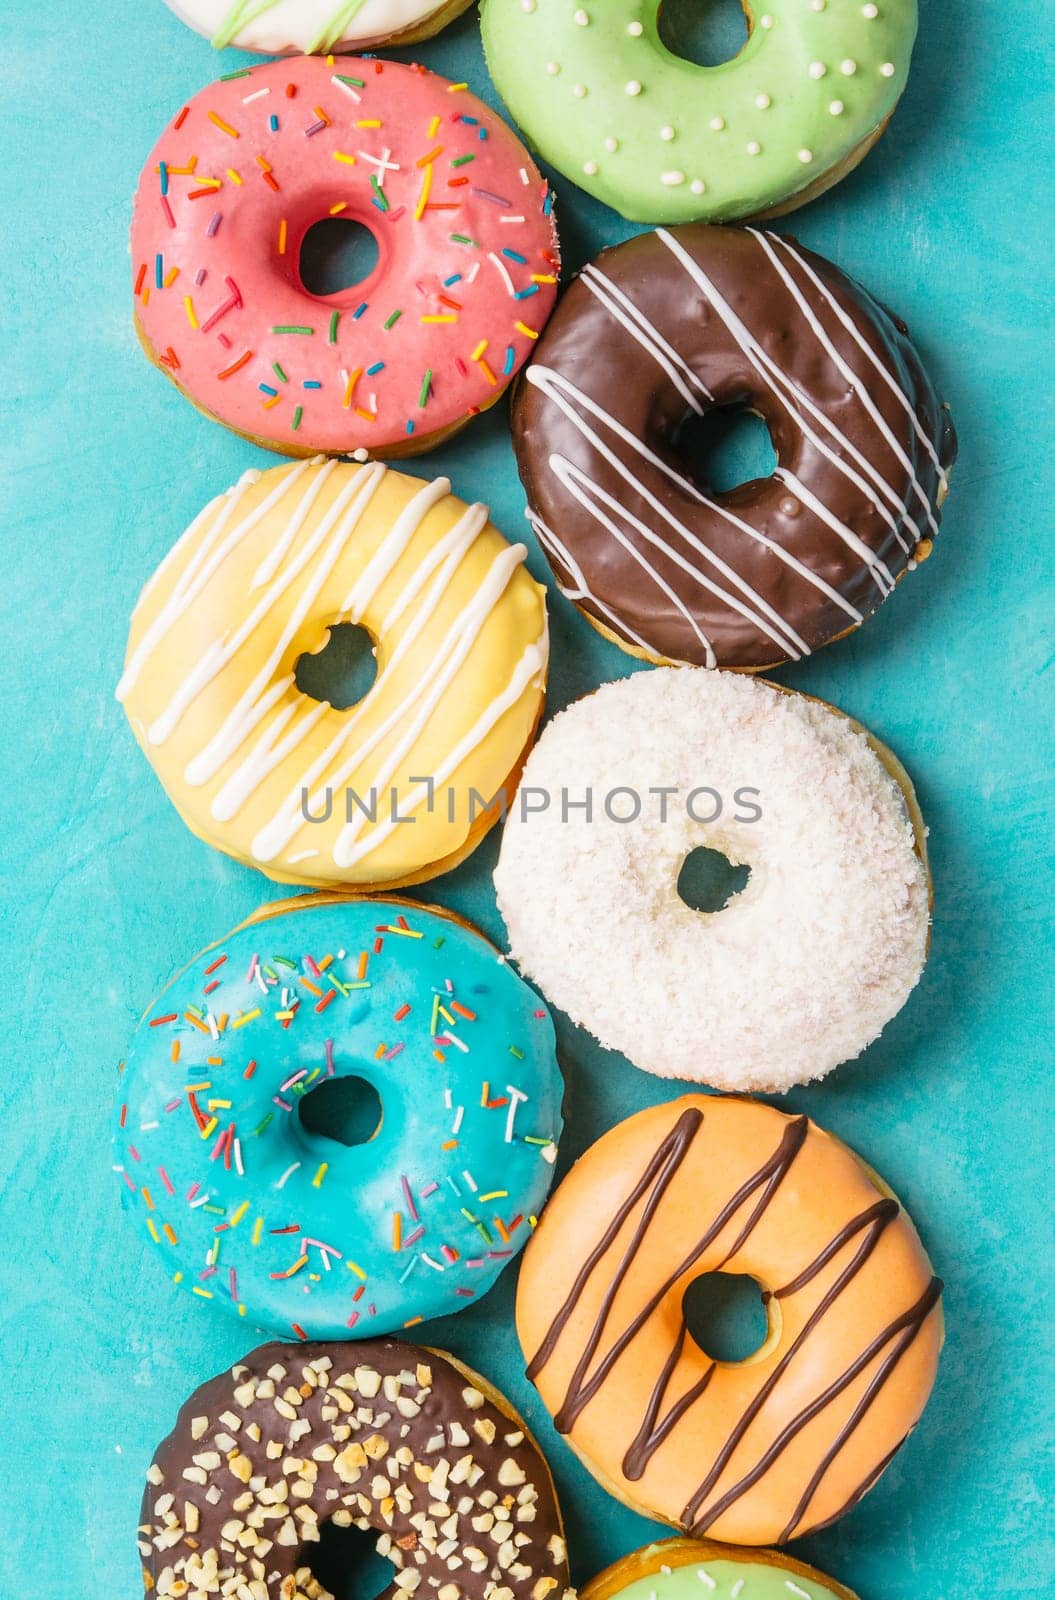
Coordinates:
377 1435
666 327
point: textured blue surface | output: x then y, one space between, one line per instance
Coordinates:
105 892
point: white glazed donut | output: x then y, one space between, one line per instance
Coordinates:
800 970
290 27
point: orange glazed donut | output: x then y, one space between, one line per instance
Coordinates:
752 1452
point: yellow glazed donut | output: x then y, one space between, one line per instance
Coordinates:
688 1569
396 788
751 1452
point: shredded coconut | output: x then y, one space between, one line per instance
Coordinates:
798 972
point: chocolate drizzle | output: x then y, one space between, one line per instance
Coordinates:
667 326
695 1519
659 1172
669 1157
660 1420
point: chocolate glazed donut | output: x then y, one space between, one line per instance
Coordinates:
667 326
378 1435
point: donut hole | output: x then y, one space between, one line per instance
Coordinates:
347 1563
729 446
343 669
706 34
725 1313
336 254
345 1110
707 880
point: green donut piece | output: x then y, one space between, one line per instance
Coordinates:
660 139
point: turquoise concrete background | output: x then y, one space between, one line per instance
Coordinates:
104 892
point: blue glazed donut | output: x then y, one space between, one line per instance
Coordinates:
295 1231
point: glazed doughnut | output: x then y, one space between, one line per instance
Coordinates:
292 785
388 1437
309 1237
666 327
465 279
805 965
679 1569
756 1451
661 139
299 27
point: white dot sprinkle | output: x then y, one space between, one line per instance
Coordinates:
805 156
579 91
717 123
698 186
635 29
553 67
666 134
633 87
870 11
817 69
611 144
887 69
763 102
836 108
848 67
765 21
528 6
754 148
590 168
818 5
672 179
582 18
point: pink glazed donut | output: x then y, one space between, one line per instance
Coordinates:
467 255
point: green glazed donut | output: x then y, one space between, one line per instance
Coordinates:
660 139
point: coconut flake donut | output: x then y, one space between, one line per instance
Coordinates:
660 139
802 968
757 1451
680 1569
465 279
252 1209
306 792
299 27
668 326
393 1438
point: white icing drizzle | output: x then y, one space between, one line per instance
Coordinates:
287 820
579 589
266 754
277 554
279 832
686 484
345 513
853 378
787 393
879 570
759 612
201 567
587 492
528 671
647 335
393 547
880 366
449 658
188 536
